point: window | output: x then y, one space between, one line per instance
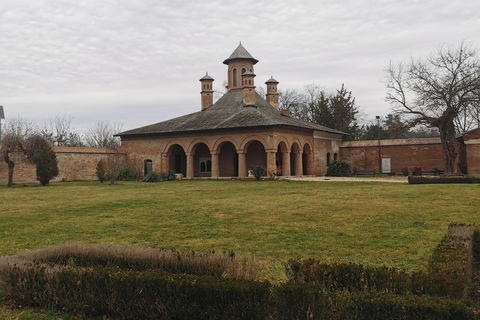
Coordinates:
244 70
234 77
205 165
335 156
328 158
147 164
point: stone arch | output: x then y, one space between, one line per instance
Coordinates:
282 160
177 159
191 148
246 142
227 159
255 155
202 159
307 159
170 144
222 140
296 158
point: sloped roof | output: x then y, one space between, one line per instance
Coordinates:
228 112
240 53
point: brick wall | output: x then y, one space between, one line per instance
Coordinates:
426 153
73 164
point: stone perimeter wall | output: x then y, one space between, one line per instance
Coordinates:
73 164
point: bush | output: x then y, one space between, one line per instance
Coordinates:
257 172
371 306
100 170
47 166
442 179
159 177
339 168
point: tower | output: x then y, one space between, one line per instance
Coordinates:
207 91
272 94
239 62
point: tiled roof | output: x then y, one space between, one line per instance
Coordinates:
228 112
240 53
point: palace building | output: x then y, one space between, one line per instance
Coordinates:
239 131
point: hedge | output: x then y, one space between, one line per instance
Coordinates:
442 179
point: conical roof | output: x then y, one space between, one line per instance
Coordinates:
240 53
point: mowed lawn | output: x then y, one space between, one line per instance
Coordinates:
364 222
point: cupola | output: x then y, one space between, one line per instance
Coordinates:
239 62
272 94
207 91
248 89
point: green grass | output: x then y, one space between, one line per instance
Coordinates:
364 222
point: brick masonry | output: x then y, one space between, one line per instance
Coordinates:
73 164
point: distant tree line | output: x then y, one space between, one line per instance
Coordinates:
60 132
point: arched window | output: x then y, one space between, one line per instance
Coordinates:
234 77
205 165
328 158
335 156
244 70
147 165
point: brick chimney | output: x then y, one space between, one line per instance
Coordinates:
272 94
207 91
248 90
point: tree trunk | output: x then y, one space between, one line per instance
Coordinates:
11 165
450 147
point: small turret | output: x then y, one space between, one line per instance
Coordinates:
272 94
248 90
239 62
207 91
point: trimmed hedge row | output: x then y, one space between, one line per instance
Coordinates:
446 276
441 179
315 290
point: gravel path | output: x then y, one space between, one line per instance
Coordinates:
394 179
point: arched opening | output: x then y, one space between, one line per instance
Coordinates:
147 166
256 156
306 160
328 158
281 161
228 160
335 156
234 73
202 161
177 159
295 158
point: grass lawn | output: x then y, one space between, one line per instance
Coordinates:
365 222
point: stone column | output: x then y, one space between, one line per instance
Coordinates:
215 166
271 165
310 167
190 169
286 163
298 164
242 164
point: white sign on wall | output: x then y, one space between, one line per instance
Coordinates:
386 165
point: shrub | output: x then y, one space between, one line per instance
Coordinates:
46 166
100 170
257 172
375 306
339 168
159 177
442 179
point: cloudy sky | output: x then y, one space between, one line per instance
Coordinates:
138 62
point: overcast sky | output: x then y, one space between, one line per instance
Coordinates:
138 62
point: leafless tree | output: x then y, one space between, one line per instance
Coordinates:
101 135
434 90
60 133
10 144
292 101
20 127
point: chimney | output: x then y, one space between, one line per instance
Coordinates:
248 91
272 94
207 91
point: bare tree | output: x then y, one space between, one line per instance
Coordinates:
10 144
292 101
101 135
433 91
60 133
20 127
